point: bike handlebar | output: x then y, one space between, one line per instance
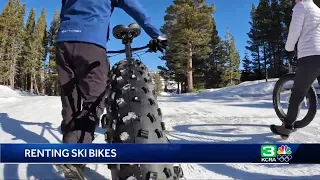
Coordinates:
132 49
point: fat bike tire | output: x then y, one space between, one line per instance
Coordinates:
311 96
135 118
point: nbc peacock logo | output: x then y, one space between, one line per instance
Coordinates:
284 153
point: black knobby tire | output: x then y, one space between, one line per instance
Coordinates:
133 103
311 96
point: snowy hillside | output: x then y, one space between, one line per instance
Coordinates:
238 114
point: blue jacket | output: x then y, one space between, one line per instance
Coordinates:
88 20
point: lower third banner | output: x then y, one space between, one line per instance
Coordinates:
160 153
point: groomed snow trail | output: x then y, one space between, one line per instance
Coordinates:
238 114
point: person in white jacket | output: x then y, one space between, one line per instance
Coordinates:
304 29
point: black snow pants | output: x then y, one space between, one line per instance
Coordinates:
308 69
82 73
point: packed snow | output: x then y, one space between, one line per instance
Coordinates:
237 114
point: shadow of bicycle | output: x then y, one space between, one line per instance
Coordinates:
17 129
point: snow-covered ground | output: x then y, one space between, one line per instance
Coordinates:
238 114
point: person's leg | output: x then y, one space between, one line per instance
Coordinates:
71 102
308 69
91 67
70 98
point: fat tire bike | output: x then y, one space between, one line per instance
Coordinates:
311 101
133 114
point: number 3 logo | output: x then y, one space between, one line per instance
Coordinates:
268 151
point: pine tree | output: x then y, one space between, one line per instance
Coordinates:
52 35
188 26
231 74
254 44
207 70
264 20
11 21
286 15
37 51
4 38
286 12
267 37
246 74
216 59
157 83
276 44
43 50
27 65
175 66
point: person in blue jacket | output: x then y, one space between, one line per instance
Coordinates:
82 64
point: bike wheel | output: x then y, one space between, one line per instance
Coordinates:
133 105
311 97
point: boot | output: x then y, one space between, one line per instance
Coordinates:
283 130
72 171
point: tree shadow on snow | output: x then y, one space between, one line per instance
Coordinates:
215 97
16 128
254 105
264 104
227 131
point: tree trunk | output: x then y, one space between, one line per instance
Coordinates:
43 83
52 87
259 64
13 72
265 63
24 82
35 84
11 76
231 71
189 71
31 83
12 69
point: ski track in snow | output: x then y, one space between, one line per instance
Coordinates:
238 114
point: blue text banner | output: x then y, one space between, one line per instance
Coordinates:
160 153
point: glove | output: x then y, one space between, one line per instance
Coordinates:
159 44
291 54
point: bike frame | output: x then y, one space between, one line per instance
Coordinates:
127 41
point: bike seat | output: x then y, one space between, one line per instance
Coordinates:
120 30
